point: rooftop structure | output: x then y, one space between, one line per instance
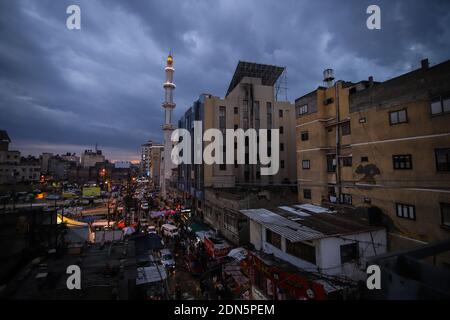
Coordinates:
268 74
307 222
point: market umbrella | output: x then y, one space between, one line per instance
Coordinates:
156 214
128 231
121 224
238 254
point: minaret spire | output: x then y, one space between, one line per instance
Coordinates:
167 127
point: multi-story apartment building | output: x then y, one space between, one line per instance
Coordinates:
250 102
390 154
324 138
91 157
401 153
13 167
151 161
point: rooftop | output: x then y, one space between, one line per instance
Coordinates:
106 271
307 222
4 136
269 74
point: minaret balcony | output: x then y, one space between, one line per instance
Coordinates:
169 85
168 126
168 105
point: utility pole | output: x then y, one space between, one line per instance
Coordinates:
338 144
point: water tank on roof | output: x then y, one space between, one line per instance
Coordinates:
328 77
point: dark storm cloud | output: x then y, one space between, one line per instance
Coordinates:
64 90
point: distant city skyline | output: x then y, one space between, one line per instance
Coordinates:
63 90
112 154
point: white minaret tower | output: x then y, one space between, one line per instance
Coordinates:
168 105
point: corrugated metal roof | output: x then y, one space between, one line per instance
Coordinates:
291 230
298 226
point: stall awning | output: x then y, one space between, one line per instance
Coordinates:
196 227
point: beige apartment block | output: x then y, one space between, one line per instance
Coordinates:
251 103
390 156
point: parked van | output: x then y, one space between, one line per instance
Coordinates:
169 230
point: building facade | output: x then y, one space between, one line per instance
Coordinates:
13 167
91 157
381 147
151 161
250 103
401 153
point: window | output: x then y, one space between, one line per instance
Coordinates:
282 164
281 146
302 251
442 159
230 223
445 214
306 164
281 129
305 136
301 110
364 159
257 118
269 115
307 194
346 129
328 101
440 105
223 167
402 162
280 112
273 238
236 164
331 163
222 118
347 161
397 117
236 110
349 252
406 211
346 198
236 127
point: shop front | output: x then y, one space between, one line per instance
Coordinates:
277 280
216 248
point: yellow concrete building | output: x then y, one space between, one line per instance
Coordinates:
391 156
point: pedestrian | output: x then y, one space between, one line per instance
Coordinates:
177 292
202 287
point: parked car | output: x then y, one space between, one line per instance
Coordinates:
167 259
169 230
52 197
151 229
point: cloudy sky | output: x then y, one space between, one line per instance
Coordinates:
63 90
